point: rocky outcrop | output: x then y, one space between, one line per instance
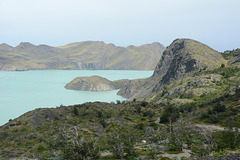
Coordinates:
88 55
130 87
181 58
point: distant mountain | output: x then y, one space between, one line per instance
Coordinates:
81 55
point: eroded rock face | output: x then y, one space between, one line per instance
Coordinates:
179 59
184 56
130 87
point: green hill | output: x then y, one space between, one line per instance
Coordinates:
181 58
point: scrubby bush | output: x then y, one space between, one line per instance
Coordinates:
175 143
144 103
227 139
219 108
170 114
75 111
148 113
75 146
139 126
121 140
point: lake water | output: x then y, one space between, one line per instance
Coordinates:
24 91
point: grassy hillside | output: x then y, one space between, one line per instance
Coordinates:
82 55
126 130
181 58
233 57
201 84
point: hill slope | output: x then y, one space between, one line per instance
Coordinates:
142 129
181 58
82 55
233 57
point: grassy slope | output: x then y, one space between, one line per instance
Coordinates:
38 132
233 57
200 84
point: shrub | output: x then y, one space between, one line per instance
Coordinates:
118 102
77 147
40 148
170 114
103 122
154 125
138 109
75 111
144 103
122 140
148 113
219 108
227 139
139 126
175 144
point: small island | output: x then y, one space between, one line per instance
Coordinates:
94 83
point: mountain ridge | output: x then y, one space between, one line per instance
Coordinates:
80 55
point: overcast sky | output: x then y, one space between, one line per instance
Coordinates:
122 22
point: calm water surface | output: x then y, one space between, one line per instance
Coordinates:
24 91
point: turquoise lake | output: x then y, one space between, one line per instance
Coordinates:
21 92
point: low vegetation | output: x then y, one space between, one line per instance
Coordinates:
126 130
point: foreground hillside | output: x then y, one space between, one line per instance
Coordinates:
126 130
82 55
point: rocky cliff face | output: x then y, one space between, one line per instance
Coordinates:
83 55
179 59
